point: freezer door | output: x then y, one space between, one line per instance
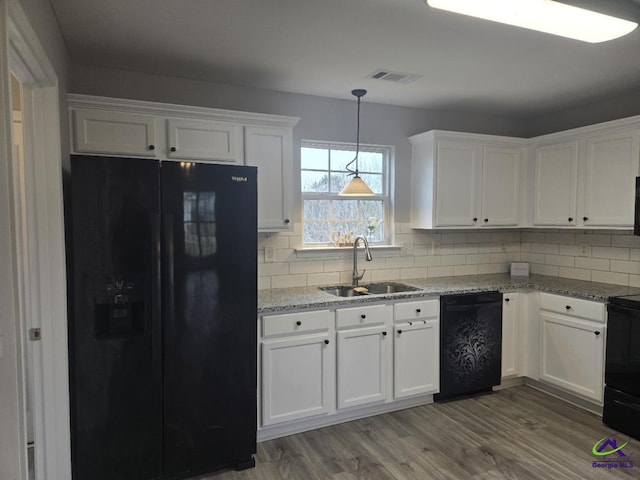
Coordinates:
114 320
209 229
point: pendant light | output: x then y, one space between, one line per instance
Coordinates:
356 187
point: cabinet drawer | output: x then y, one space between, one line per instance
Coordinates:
575 307
290 323
114 133
359 316
410 310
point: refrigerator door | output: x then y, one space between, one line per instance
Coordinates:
209 229
114 321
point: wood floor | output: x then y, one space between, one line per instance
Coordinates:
517 433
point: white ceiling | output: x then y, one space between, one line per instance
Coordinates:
329 47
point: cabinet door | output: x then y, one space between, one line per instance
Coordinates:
457 184
611 168
362 365
297 377
204 140
510 335
270 149
572 354
416 366
113 133
500 186
555 184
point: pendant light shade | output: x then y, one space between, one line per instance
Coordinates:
356 187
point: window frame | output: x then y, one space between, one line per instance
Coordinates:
386 197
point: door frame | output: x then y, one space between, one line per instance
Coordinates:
32 260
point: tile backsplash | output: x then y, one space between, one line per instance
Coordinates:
610 256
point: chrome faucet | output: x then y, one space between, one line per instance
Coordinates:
355 276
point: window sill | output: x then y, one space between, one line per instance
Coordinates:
345 249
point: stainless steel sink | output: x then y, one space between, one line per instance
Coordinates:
371 289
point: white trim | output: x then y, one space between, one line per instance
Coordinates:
13 458
168 109
41 244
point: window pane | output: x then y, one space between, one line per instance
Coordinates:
314 158
372 209
317 209
347 228
370 162
340 158
314 181
338 181
315 232
374 181
345 209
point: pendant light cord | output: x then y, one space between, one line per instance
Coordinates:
359 94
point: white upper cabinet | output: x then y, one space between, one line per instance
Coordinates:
457 185
114 133
465 181
555 183
130 128
587 178
204 140
611 165
269 149
501 186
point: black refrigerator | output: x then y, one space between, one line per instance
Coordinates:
162 323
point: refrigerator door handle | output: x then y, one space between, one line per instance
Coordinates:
168 274
156 292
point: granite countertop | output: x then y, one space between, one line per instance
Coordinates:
282 299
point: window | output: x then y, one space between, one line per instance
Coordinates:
329 219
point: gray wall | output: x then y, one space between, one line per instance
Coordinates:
596 111
321 118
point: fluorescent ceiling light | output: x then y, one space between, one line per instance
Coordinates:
543 15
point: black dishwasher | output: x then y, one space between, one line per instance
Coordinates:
470 343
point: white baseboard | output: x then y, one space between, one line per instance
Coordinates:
298 426
589 405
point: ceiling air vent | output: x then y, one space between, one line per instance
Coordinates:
393 76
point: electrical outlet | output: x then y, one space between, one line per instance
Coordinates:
503 247
584 249
269 254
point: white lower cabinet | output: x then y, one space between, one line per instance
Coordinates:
416 364
364 348
362 366
416 348
510 335
297 367
572 346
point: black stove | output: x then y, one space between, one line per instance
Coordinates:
622 365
